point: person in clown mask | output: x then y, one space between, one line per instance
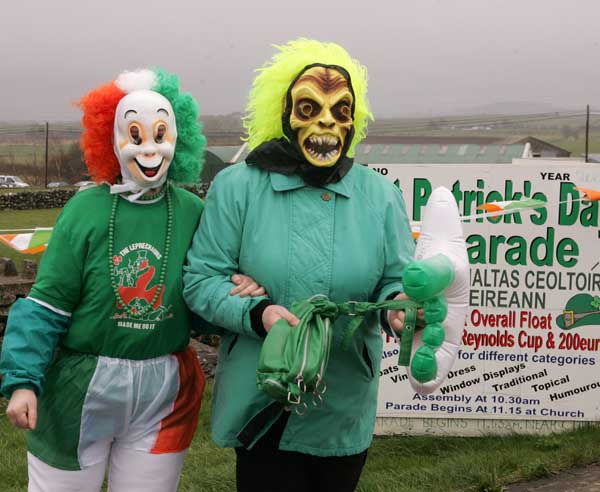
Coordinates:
303 219
124 388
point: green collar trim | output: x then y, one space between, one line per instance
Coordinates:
281 182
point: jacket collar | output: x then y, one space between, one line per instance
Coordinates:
281 182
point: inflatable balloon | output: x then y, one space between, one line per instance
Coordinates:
439 280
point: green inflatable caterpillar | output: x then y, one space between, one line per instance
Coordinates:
439 279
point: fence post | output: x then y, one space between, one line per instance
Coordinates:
46 160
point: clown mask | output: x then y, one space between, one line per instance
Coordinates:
321 115
144 138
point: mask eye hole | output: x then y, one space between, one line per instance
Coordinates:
135 134
342 111
160 130
307 109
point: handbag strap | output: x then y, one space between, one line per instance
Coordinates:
308 310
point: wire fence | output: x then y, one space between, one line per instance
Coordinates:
40 153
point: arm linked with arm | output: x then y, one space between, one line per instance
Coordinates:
214 257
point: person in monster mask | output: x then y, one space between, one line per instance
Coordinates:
303 219
124 388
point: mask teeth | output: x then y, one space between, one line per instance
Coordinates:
316 142
323 140
323 157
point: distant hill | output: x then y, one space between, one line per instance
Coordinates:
512 108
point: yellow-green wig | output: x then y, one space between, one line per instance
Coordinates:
267 97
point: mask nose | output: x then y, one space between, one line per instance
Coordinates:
326 120
148 150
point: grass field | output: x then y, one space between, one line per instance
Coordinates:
395 464
577 146
32 152
29 189
25 219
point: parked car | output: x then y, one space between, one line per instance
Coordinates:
12 182
57 184
82 185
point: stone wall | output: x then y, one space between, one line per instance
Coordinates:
13 286
29 200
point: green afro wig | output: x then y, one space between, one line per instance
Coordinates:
191 143
267 97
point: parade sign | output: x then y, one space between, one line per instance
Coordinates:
531 341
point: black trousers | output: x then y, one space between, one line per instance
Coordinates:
267 469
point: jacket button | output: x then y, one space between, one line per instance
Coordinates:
326 196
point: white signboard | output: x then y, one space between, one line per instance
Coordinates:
531 343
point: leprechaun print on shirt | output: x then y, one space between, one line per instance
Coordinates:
136 272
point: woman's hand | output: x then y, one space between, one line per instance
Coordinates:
22 409
396 318
246 286
273 313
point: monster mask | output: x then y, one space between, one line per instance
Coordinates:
321 113
144 138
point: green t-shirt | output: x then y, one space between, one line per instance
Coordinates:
74 276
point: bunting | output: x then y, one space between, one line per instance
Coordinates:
29 243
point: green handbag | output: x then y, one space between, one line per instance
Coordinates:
293 360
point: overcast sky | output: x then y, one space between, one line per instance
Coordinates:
426 57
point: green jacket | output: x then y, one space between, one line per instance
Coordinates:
349 240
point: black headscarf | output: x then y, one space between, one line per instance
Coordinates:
284 156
